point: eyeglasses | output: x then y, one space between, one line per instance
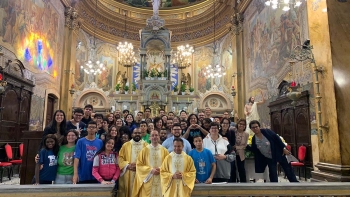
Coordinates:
78 115
92 127
255 127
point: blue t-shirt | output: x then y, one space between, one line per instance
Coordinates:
202 162
49 160
85 151
169 145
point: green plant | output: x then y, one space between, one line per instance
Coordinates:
183 87
159 74
153 72
117 87
133 87
191 89
145 73
165 73
176 89
126 88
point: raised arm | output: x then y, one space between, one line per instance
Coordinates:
263 99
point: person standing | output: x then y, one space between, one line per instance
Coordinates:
147 180
168 143
87 114
240 146
76 123
222 151
177 173
85 151
203 161
127 162
269 149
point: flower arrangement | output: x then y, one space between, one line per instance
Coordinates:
247 153
284 141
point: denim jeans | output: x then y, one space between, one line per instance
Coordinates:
63 179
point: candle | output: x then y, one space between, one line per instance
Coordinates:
177 99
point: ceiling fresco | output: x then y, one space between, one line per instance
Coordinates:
163 4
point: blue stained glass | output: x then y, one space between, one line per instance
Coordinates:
27 55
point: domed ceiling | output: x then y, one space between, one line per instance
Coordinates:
163 4
190 21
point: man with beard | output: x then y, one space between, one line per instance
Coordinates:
178 172
163 135
168 143
147 180
117 114
127 162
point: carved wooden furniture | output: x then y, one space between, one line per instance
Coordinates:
293 124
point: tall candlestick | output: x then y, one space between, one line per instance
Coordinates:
177 99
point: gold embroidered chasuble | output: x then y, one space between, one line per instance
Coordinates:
177 187
128 154
147 184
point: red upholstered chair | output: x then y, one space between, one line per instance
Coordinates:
9 155
301 157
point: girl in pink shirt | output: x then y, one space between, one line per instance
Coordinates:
105 167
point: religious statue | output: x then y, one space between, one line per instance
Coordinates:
251 110
156 5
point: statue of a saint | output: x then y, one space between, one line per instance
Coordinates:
156 5
251 111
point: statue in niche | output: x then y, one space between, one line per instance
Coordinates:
188 80
155 61
118 78
121 79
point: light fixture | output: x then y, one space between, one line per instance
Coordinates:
218 70
302 53
183 56
126 51
285 4
294 89
93 65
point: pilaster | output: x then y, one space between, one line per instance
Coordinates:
236 29
72 25
328 23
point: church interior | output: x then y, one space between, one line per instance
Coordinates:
183 55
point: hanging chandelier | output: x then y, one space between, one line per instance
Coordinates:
285 4
126 54
93 65
126 51
183 56
218 70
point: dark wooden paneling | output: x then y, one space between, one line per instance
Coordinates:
31 141
293 123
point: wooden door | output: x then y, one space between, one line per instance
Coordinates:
50 108
288 131
276 122
303 135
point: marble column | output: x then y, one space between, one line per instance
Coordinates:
329 27
72 25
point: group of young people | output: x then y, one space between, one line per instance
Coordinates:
153 156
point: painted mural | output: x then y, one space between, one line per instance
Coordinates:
30 29
106 53
204 56
163 3
37 113
269 37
